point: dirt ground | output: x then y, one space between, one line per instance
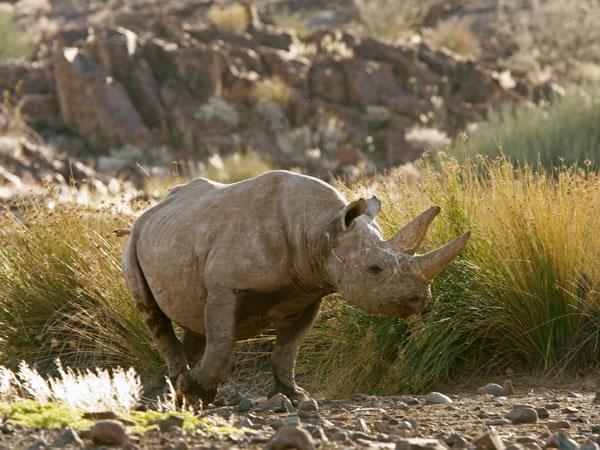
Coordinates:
568 416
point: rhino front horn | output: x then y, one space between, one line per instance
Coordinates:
408 238
432 263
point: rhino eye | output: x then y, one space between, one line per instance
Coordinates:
374 269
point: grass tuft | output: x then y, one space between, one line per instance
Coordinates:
564 132
524 294
233 18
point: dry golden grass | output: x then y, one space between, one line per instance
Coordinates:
523 295
273 89
233 18
456 36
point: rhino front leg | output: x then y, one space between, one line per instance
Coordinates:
202 381
288 341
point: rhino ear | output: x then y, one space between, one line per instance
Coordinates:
351 211
357 208
373 207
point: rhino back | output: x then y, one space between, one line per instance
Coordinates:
252 236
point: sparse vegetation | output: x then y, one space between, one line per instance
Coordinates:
62 293
524 295
292 21
13 39
233 18
273 89
456 36
556 33
216 108
390 19
564 132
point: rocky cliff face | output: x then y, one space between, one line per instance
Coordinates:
161 75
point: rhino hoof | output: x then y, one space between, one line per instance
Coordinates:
296 395
189 390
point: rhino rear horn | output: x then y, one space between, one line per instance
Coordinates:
430 264
408 238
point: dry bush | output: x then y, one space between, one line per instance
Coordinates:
273 89
555 33
390 19
233 18
456 36
292 21
524 294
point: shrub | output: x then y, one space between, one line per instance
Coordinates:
566 131
233 18
62 293
13 40
523 295
218 109
292 21
390 19
456 36
556 33
273 89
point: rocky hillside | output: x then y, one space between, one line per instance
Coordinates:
154 82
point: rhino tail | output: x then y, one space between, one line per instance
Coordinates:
156 321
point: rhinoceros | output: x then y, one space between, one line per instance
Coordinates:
227 261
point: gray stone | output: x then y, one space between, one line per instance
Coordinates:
38 444
436 398
522 414
285 421
489 440
497 422
555 425
410 400
244 405
561 441
340 436
308 405
569 410
491 389
552 406
288 406
361 425
542 413
590 446
420 444
181 445
68 437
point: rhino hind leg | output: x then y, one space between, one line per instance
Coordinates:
285 352
193 347
158 324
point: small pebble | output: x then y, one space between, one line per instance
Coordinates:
488 440
522 414
308 405
244 405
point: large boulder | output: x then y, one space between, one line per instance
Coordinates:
96 105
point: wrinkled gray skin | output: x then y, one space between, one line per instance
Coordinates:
227 261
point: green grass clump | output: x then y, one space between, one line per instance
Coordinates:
62 294
523 295
565 132
13 40
30 414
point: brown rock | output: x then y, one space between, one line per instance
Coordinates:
96 105
489 440
291 437
108 432
39 110
327 81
